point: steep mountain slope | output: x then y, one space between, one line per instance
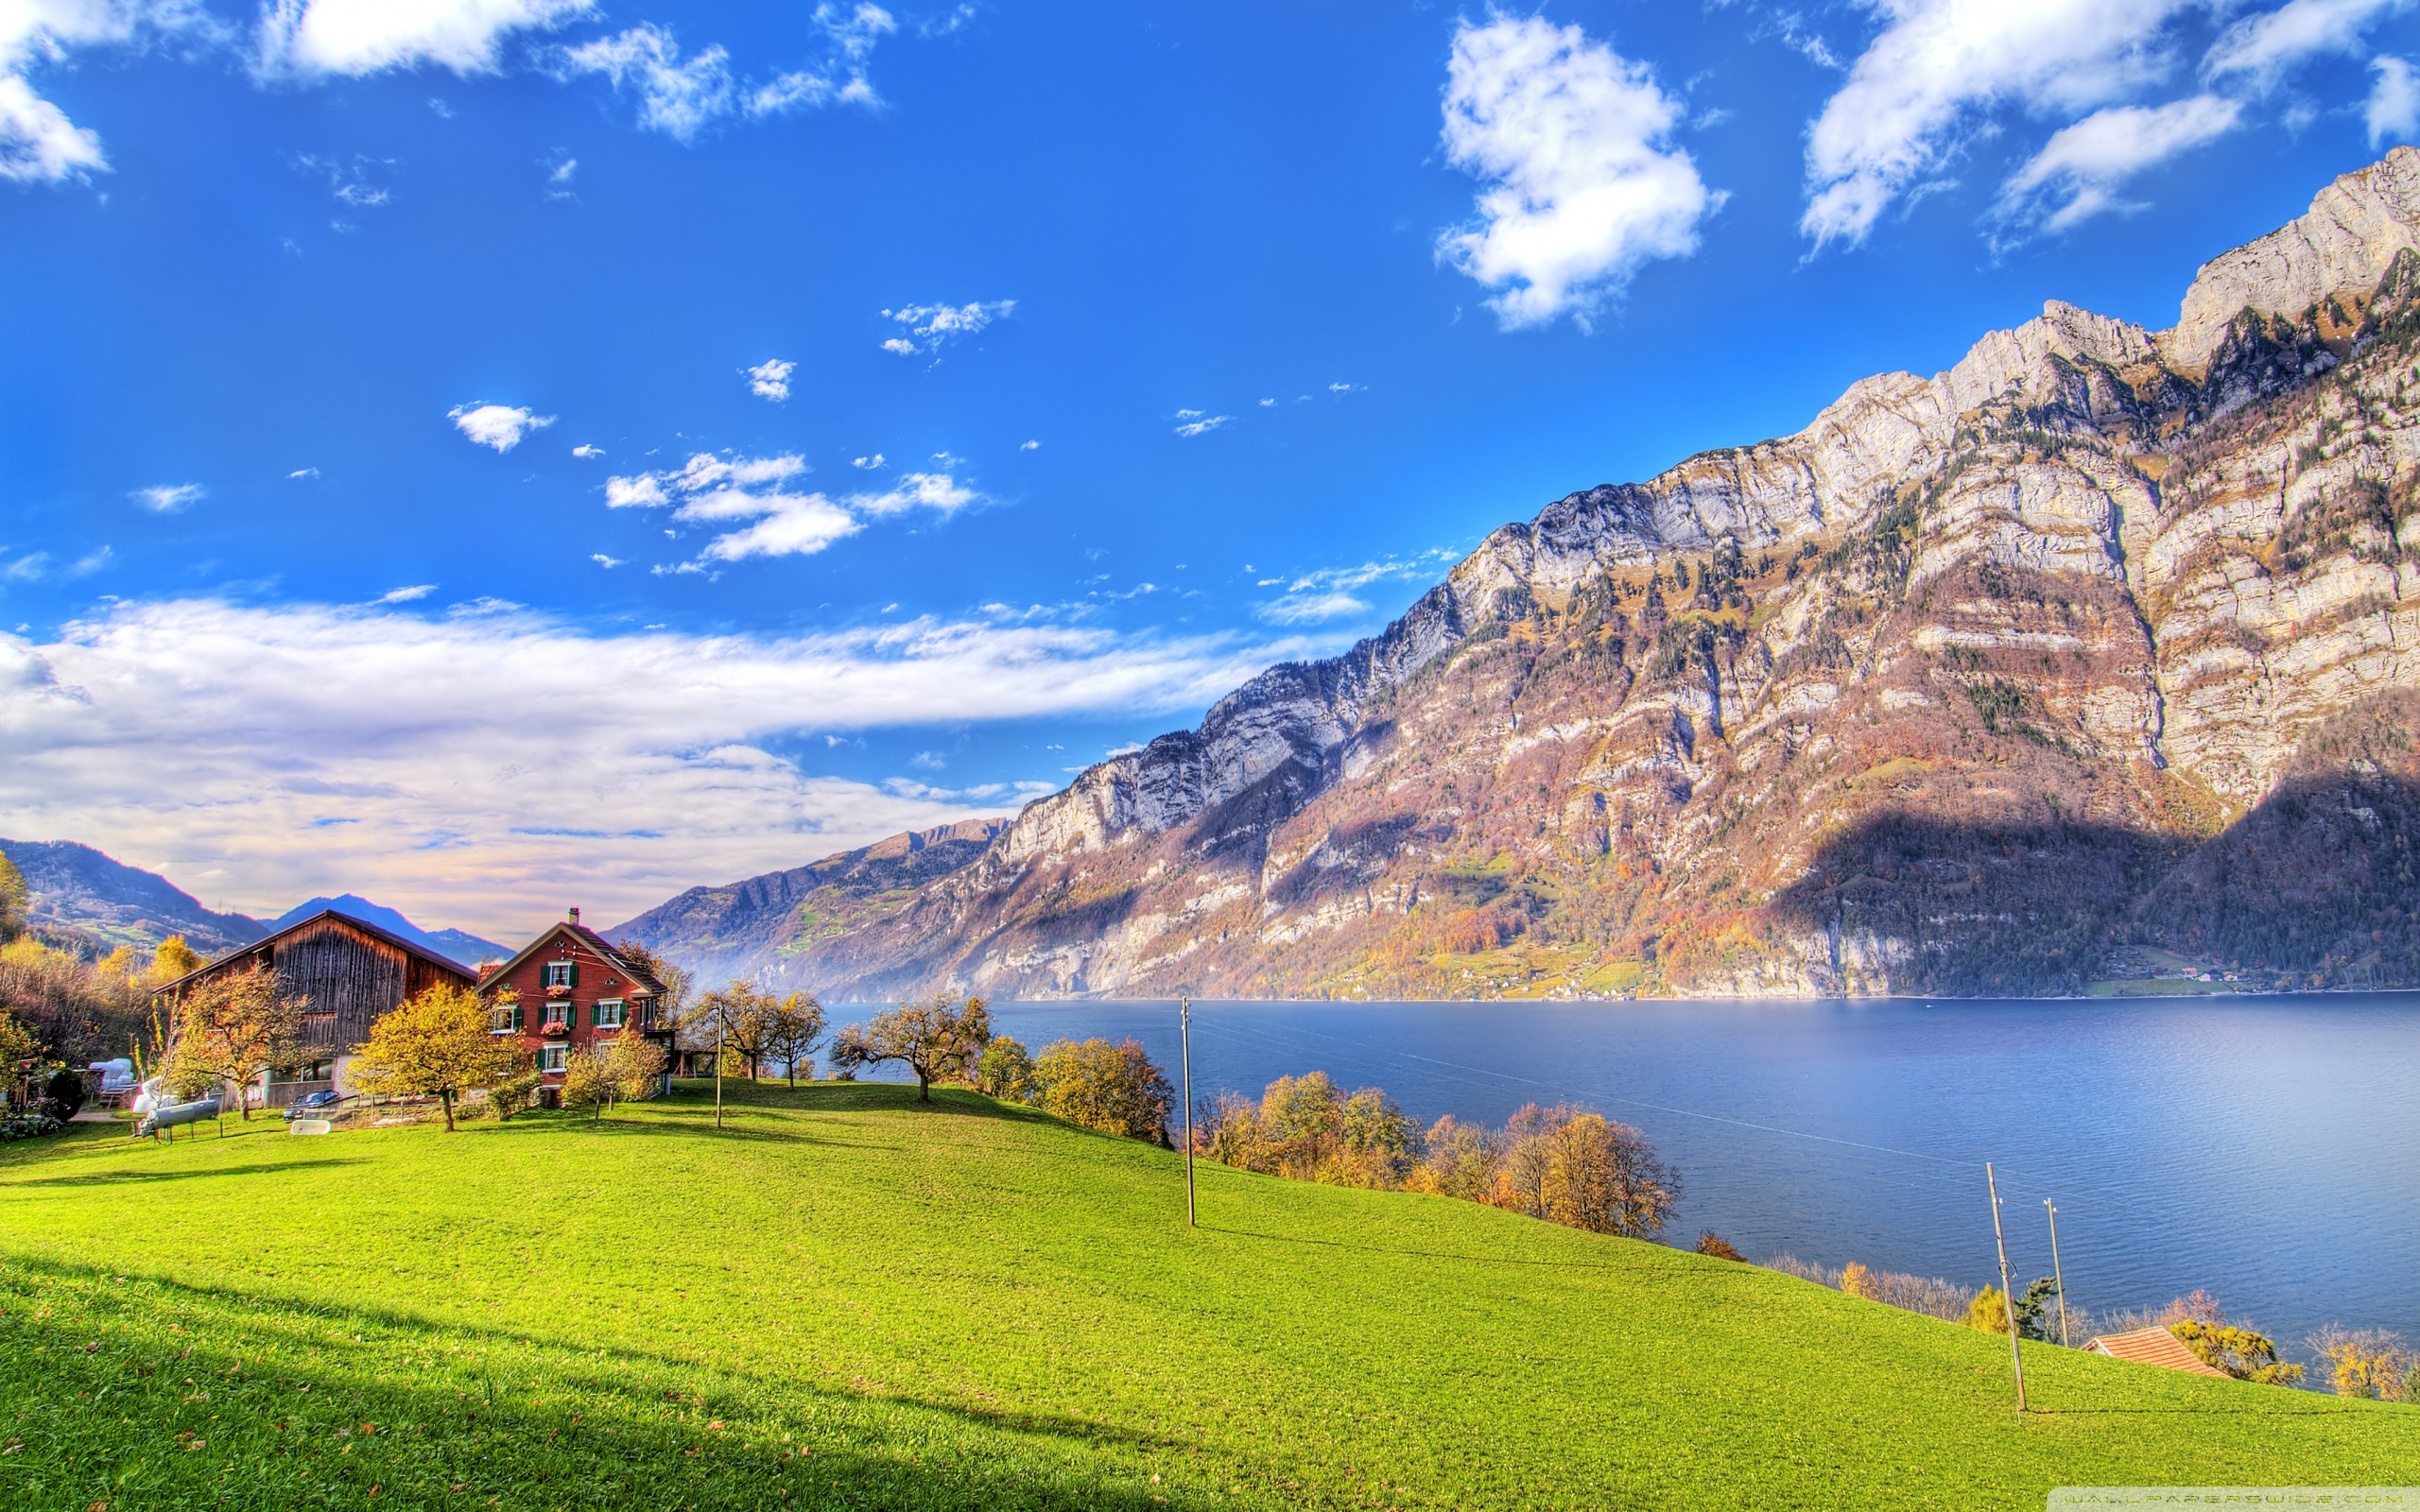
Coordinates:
78 891
454 944
1975 679
757 928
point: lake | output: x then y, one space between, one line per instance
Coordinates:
2267 1148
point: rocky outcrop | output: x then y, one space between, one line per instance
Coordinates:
1936 695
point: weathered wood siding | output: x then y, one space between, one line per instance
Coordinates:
349 977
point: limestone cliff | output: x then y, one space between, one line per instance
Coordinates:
1972 683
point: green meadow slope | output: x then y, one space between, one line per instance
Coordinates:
848 1300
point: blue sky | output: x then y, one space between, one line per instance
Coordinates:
492 454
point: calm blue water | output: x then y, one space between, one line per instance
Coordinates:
2265 1148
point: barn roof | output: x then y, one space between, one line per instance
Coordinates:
446 964
598 944
2152 1345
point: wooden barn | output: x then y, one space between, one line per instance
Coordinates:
349 971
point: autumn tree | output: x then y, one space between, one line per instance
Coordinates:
173 959
741 1021
1302 1120
941 1039
1005 1071
586 1083
2237 1350
1115 1089
1524 1172
2371 1362
234 1028
1988 1311
436 1044
1379 1144
1710 1242
625 1070
1457 1160
15 896
792 1031
1605 1176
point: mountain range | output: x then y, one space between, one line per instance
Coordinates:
2100 641
82 896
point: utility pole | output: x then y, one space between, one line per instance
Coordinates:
1185 1033
718 1074
2008 1292
2057 1276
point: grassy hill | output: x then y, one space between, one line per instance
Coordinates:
848 1300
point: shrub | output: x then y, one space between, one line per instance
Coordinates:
1005 1071
1988 1311
28 1126
2238 1351
2371 1362
1856 1281
1115 1089
1710 1242
66 1091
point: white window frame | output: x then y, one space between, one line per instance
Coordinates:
554 970
621 1014
559 1054
497 1010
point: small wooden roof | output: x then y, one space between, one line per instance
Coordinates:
267 945
2153 1346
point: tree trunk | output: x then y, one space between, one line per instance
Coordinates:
447 1098
924 1086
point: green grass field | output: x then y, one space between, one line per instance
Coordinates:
845 1299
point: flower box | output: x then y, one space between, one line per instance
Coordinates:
559 991
555 1028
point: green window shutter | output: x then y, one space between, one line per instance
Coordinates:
574 973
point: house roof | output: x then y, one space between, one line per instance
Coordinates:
2153 1346
596 944
446 964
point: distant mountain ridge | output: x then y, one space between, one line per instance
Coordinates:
80 890
454 944
755 928
2103 638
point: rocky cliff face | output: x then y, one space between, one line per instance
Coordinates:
1971 683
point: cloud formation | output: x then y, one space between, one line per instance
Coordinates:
932 326
2262 49
681 98
490 766
167 498
1918 91
770 379
2392 111
357 37
1583 185
779 519
500 426
38 143
2078 172
1194 423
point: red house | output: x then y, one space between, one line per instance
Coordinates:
575 993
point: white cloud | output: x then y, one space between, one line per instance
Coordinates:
406 595
2077 173
1202 426
2262 47
781 520
867 462
2394 110
1311 608
1029 446
38 143
167 498
26 569
930 326
360 37
1573 143
677 98
584 451
563 171
499 425
493 766
609 563
770 379
681 98
937 491
1924 86
304 472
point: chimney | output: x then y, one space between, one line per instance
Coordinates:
575 915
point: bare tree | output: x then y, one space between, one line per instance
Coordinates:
939 1041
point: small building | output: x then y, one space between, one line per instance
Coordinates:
347 973
574 992
2154 1346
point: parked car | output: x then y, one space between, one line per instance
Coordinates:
313 1105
